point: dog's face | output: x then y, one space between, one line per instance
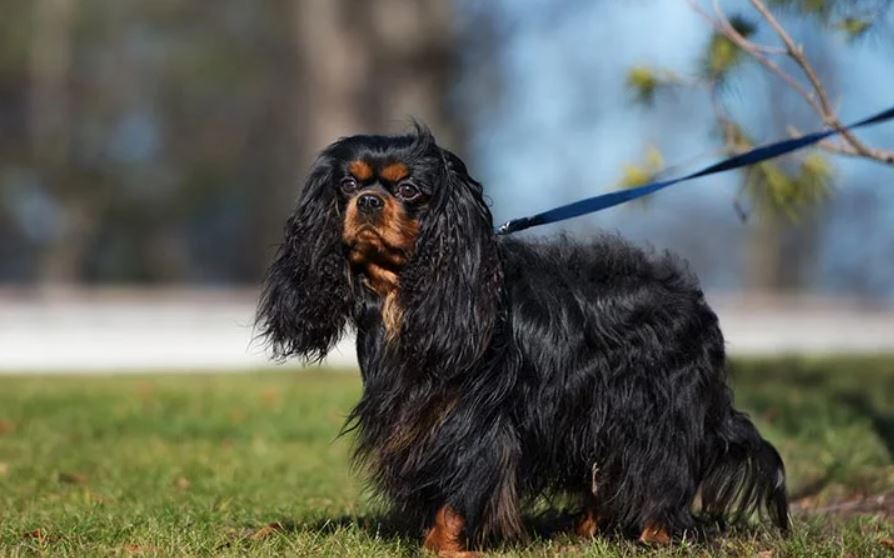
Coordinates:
385 194
398 223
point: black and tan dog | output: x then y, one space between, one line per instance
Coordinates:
498 370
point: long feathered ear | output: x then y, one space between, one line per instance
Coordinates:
307 299
450 289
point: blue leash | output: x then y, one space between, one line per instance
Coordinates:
756 155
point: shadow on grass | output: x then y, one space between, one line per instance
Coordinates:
539 528
391 528
542 526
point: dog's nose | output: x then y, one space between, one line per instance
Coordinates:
370 203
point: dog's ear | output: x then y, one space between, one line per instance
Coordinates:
450 289
307 299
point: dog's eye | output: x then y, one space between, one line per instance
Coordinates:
407 191
348 185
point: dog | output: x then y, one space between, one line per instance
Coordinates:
497 370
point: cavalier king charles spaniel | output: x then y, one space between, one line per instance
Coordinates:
498 371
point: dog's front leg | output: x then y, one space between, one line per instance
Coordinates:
445 537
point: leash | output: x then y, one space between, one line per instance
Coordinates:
751 157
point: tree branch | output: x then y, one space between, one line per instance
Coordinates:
722 25
816 96
751 48
823 107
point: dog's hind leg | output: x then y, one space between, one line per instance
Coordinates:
668 487
650 482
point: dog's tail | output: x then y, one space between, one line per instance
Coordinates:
747 475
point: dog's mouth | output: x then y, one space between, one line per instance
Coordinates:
365 239
368 246
373 259
366 231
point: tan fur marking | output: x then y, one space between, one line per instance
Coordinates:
394 172
380 280
398 230
444 537
654 534
379 248
588 526
361 170
391 314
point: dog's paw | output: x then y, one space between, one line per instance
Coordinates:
654 534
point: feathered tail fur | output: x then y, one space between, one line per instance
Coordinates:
747 476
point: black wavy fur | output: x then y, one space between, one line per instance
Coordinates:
521 368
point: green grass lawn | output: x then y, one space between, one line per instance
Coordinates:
250 464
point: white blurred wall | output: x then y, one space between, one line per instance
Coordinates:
211 330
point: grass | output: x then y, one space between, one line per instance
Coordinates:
250 465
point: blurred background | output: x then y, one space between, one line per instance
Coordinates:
151 150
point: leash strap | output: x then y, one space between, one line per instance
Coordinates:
756 155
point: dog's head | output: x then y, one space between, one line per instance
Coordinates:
396 220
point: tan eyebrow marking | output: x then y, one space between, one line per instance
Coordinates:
360 169
393 172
